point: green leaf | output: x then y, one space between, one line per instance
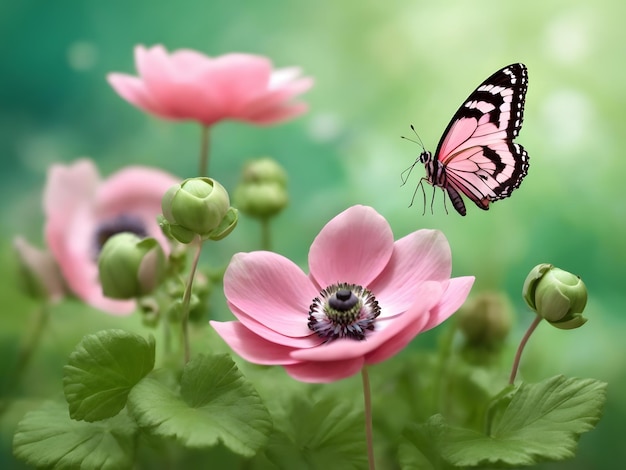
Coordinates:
48 437
215 403
102 370
418 449
319 435
542 422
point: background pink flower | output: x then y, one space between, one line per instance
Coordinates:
189 85
272 297
82 212
39 271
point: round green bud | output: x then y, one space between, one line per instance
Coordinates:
197 205
556 295
260 200
486 320
264 170
129 266
149 308
262 190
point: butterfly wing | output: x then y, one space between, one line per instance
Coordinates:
477 151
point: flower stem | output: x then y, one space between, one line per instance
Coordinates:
367 399
266 237
187 297
521 346
203 166
26 352
440 388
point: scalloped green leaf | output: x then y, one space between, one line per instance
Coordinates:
319 435
49 438
418 448
215 403
542 422
102 370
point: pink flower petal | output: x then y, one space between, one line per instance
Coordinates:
324 372
68 187
353 247
270 335
455 295
237 78
252 347
189 85
180 95
272 290
276 98
134 91
189 63
420 256
68 197
135 184
408 325
112 306
276 115
153 64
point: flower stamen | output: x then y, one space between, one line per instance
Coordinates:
343 311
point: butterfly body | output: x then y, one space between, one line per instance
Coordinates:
476 156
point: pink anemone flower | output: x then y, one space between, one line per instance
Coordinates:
365 299
82 212
188 85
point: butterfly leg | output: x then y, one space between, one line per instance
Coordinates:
445 207
415 192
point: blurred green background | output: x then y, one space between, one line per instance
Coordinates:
378 66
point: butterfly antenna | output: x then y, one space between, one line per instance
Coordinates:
419 141
404 176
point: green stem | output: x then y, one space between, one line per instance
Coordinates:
197 242
520 349
167 336
440 392
266 237
367 399
203 166
26 352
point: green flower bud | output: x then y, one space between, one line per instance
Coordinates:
486 320
264 170
130 266
197 205
556 295
149 308
262 191
40 277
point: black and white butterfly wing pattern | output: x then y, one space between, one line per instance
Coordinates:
476 156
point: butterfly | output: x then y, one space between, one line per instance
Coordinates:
476 156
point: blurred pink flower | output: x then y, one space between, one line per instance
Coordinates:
82 212
40 272
189 85
364 300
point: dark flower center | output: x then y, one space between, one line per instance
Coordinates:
343 311
121 223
